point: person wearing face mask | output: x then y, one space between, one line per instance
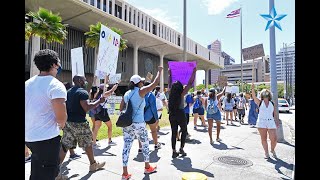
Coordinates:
45 113
77 129
267 122
136 94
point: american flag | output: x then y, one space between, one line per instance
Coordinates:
234 13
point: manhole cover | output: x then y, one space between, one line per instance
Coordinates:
235 161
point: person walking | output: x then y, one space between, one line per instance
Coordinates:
213 113
228 108
235 108
45 115
93 92
136 95
198 110
253 112
242 106
267 122
77 129
106 118
177 115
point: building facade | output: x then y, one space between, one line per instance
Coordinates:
215 47
150 42
286 64
257 73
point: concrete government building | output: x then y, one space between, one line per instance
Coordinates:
150 42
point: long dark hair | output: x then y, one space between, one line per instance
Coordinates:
132 85
212 94
229 97
175 96
94 90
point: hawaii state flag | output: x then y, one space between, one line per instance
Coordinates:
234 13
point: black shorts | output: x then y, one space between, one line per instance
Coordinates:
105 119
152 121
234 107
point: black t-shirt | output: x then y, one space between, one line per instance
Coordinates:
74 108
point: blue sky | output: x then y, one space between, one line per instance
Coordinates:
206 22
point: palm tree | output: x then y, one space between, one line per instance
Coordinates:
47 26
93 37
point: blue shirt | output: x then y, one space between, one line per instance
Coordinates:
188 99
138 104
150 110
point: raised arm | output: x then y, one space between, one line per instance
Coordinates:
189 85
254 97
145 89
221 93
108 93
86 105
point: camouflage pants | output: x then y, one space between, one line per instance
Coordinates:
76 133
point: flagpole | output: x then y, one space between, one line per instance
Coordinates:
241 48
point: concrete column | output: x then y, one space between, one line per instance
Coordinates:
128 10
161 77
123 10
141 20
95 3
157 30
207 78
135 58
151 25
101 5
34 49
136 20
113 6
107 6
132 12
147 23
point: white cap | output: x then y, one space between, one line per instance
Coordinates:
136 79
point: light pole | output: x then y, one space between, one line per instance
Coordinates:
273 73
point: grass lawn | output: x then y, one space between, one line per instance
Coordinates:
117 131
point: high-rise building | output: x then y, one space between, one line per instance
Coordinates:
215 47
286 64
228 60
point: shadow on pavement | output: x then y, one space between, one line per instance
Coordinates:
153 157
163 134
65 171
185 165
102 152
279 163
193 141
223 146
221 127
287 143
202 130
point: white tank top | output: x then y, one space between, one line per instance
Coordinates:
266 113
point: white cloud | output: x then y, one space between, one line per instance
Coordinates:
162 16
217 6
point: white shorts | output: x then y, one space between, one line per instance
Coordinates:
268 124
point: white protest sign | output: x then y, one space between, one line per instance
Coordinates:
114 99
108 51
114 78
77 61
232 89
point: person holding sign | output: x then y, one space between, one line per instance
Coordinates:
213 113
136 95
267 122
103 108
177 115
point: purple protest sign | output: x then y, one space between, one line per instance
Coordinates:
181 71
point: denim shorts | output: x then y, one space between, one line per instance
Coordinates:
200 111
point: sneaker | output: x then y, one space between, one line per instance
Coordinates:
274 154
96 146
27 159
181 151
95 166
126 177
150 170
158 146
140 151
61 177
218 140
175 154
111 143
74 156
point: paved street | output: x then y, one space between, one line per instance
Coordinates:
238 142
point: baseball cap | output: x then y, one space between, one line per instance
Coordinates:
136 79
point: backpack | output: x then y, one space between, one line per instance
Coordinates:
197 104
212 107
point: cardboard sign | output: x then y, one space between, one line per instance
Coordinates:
222 81
77 61
108 51
253 52
181 71
114 78
232 89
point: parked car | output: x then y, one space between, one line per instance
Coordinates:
283 105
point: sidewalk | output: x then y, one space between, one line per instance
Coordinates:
242 142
